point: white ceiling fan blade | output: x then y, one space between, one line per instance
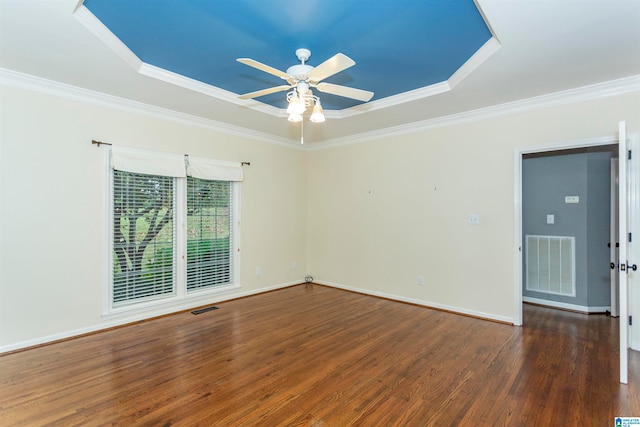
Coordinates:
348 92
262 67
331 66
263 92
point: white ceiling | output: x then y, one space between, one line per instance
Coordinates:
547 46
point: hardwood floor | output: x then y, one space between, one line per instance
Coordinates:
317 356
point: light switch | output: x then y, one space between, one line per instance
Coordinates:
473 219
551 219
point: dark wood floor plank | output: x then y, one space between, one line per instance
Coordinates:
317 356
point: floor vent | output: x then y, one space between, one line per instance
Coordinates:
204 310
550 264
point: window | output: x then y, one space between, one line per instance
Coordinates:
209 233
173 228
143 236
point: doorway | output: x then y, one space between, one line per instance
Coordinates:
540 151
629 215
566 225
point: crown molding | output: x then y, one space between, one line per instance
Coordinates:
96 27
489 48
61 90
585 93
485 52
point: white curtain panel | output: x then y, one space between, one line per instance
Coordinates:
148 162
214 170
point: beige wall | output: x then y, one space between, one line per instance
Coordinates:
52 209
370 216
382 213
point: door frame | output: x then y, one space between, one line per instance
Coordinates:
519 152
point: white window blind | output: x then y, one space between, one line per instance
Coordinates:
209 233
143 237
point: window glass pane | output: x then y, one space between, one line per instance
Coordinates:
209 219
144 236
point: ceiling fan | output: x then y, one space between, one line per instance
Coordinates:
301 77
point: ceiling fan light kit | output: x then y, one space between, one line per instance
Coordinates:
299 99
301 78
317 115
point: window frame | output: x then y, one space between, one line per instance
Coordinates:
181 298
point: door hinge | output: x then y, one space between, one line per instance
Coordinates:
630 320
630 237
629 155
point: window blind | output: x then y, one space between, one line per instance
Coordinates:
143 236
209 233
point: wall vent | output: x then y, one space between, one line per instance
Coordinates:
550 264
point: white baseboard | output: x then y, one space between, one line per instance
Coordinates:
424 303
566 306
138 317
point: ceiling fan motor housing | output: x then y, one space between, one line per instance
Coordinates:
303 55
299 72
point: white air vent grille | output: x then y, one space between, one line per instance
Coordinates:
550 264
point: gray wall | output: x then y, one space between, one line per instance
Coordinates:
546 181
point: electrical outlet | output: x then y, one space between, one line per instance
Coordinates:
294 265
258 271
420 280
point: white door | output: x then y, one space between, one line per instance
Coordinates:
613 239
633 248
623 238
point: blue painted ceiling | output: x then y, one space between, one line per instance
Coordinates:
398 45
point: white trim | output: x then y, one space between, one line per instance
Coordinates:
65 91
558 304
119 321
489 48
392 100
518 249
586 93
236 259
107 233
206 89
634 249
180 257
424 303
517 199
49 87
98 29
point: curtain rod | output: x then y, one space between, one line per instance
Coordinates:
99 143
